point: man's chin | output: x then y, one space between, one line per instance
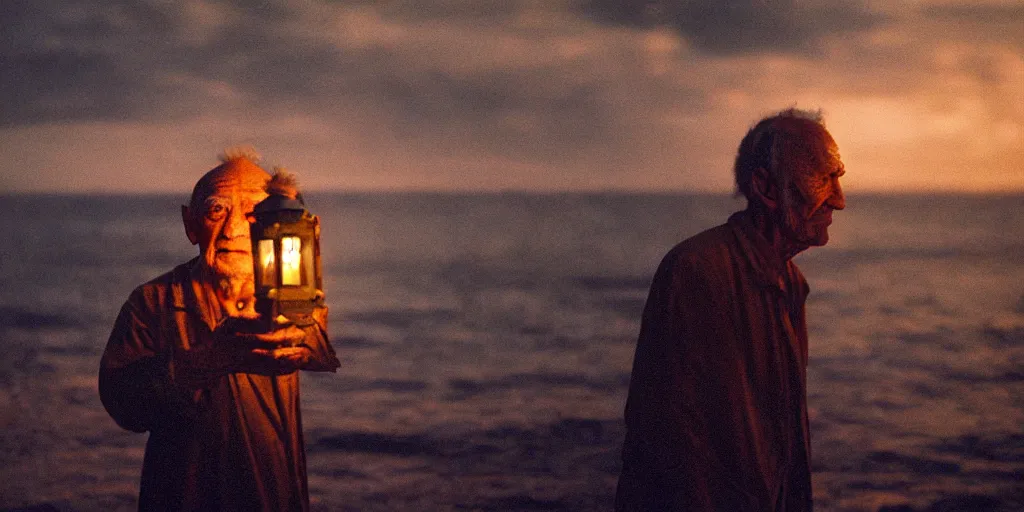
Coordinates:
232 265
233 273
818 239
809 239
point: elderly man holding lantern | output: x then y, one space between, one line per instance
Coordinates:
206 357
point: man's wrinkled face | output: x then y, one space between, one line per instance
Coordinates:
216 219
816 192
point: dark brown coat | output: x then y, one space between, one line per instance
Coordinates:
235 444
717 416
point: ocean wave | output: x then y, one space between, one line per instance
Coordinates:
18 317
464 388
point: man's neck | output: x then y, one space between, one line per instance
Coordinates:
233 293
770 226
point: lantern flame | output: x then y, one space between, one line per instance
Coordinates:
291 261
266 259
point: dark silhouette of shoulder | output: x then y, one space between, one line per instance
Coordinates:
155 295
708 255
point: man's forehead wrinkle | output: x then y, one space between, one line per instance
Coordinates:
247 182
230 195
214 199
218 186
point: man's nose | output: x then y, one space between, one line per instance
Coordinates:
235 225
837 201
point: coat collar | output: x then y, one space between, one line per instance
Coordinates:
770 269
190 294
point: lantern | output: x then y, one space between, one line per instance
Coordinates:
286 260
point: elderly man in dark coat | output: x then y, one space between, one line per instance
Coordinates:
717 411
221 406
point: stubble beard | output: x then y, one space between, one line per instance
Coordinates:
803 232
231 266
800 232
231 276
236 291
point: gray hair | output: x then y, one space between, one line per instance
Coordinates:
240 151
768 144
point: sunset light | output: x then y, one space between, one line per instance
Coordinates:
922 96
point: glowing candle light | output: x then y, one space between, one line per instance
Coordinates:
291 261
266 255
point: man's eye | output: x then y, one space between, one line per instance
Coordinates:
215 212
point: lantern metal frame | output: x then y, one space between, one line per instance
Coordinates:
281 220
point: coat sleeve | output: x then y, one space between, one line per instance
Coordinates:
676 451
134 382
322 356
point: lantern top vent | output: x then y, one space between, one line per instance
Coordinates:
276 203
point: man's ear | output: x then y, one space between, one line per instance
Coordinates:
763 189
186 219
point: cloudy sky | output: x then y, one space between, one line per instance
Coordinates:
131 96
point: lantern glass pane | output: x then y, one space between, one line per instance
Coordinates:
291 261
266 259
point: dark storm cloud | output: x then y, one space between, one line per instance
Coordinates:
743 27
160 61
133 60
100 60
478 11
53 65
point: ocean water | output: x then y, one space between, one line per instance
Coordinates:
486 342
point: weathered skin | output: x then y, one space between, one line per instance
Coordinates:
815 166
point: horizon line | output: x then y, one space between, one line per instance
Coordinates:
518 191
